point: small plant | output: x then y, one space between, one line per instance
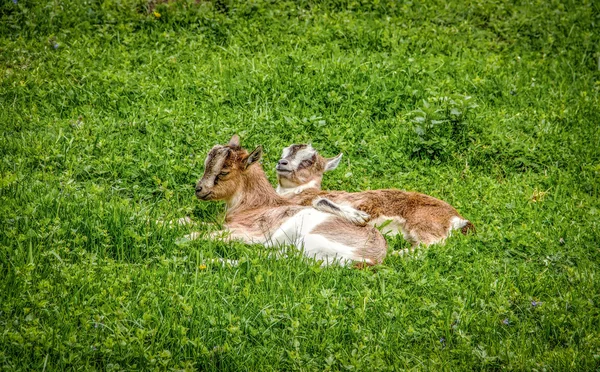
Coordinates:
440 126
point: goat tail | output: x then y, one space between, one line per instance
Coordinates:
468 227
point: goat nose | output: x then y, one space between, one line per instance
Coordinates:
283 162
198 188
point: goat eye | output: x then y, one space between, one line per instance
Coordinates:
223 174
306 163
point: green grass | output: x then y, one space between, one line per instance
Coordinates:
108 108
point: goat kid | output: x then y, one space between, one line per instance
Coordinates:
257 214
420 218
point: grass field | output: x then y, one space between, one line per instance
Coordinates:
108 108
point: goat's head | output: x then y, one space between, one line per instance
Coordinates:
224 168
301 164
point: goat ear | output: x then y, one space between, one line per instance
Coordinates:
253 157
332 163
234 141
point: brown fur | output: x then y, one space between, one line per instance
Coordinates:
241 188
469 227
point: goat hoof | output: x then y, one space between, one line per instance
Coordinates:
358 217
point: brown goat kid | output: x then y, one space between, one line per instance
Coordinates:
420 218
257 214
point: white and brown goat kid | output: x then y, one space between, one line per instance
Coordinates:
420 218
257 214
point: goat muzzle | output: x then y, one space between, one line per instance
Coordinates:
283 166
201 193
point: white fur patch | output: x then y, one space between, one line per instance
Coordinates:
319 247
297 231
283 191
457 223
295 228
